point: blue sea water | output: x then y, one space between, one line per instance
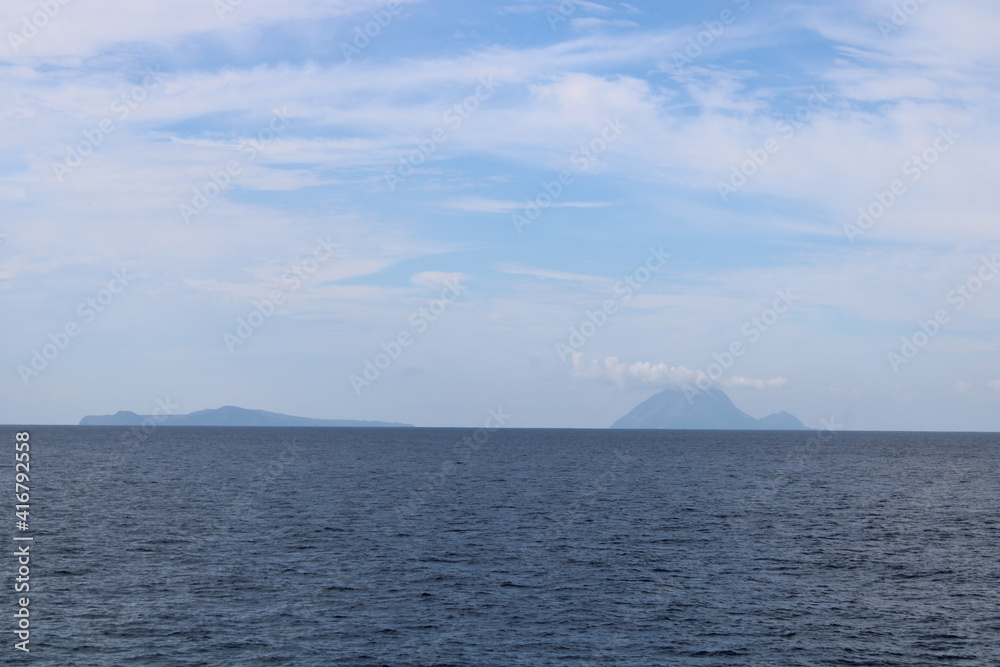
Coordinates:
405 547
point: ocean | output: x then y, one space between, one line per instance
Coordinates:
407 547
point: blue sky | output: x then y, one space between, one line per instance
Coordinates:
256 203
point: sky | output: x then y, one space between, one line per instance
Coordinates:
422 211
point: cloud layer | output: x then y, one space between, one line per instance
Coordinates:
846 151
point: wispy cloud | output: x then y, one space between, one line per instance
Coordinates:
886 97
485 205
516 270
595 24
740 382
644 374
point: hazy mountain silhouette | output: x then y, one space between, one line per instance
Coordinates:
711 409
225 416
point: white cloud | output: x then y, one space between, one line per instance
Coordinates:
438 278
486 205
631 376
594 25
740 382
516 270
594 7
524 8
85 29
642 374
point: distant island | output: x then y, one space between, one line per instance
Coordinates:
711 409
226 416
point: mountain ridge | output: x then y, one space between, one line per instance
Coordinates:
228 415
701 410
